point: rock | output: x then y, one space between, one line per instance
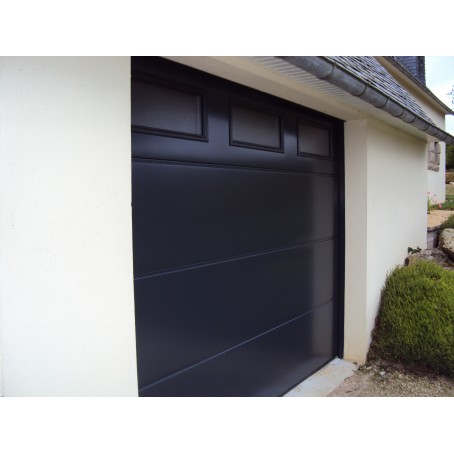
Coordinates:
446 242
431 255
413 258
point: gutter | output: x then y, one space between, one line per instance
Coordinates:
332 73
409 75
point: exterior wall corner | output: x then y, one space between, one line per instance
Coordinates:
355 348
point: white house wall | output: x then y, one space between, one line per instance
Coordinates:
66 274
396 218
435 180
356 338
385 171
66 281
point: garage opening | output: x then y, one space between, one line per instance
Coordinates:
238 235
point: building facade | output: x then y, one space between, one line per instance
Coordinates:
296 198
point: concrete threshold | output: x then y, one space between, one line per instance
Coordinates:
324 381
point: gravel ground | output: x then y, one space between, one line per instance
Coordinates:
382 379
437 217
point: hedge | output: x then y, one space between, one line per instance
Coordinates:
415 324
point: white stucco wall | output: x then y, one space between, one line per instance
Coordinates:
397 217
66 283
356 252
385 213
436 181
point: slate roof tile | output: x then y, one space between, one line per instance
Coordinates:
369 70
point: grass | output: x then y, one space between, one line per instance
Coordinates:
448 224
449 204
450 189
415 325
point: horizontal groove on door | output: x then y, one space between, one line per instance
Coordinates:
268 365
229 259
227 303
212 213
234 347
231 166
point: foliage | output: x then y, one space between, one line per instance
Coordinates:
415 325
451 95
448 224
449 177
450 158
449 203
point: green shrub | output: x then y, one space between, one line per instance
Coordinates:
448 224
415 324
450 157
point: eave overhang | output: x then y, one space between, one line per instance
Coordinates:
327 70
441 105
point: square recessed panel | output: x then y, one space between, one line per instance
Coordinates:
250 127
167 109
314 140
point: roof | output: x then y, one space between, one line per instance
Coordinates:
415 80
370 71
415 64
365 78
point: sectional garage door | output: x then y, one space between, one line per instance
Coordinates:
237 236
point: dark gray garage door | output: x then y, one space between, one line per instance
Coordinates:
237 238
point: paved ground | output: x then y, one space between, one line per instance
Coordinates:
384 380
325 380
437 217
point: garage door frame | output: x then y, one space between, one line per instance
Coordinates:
160 75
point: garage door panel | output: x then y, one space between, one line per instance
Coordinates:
218 141
194 313
236 203
151 146
266 366
189 214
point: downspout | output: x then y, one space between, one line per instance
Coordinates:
326 70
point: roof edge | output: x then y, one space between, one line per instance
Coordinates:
420 85
326 70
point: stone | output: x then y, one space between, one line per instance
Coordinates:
446 242
431 255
